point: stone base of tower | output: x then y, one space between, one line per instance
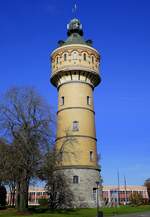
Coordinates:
85 192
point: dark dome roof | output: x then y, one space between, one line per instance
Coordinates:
74 27
75 34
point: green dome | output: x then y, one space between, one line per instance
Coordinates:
75 38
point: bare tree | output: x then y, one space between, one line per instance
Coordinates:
57 188
3 151
136 198
8 174
57 184
26 122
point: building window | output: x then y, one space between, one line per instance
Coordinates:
75 179
92 59
91 155
89 100
94 194
57 60
84 56
75 126
44 193
39 193
74 55
65 57
62 100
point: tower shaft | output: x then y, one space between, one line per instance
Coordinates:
76 116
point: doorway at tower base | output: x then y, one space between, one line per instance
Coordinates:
82 183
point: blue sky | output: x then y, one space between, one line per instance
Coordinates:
29 31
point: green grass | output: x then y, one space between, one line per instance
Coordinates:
79 212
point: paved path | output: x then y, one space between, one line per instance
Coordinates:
146 214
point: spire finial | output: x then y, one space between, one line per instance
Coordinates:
74 9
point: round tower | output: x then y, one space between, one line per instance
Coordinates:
75 73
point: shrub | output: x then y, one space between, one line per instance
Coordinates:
43 202
136 199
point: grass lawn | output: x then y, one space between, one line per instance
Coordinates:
79 212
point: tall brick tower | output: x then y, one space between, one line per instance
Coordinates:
75 73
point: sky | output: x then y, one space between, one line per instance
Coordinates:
120 29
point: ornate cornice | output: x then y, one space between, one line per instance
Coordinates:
90 78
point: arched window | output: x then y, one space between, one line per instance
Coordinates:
94 194
75 126
65 57
75 179
57 60
62 100
84 56
75 54
91 155
89 100
92 59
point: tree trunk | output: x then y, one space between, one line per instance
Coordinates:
12 189
13 195
23 206
17 195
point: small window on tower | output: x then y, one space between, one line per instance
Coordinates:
89 100
75 179
91 155
94 194
92 59
62 100
65 57
84 56
57 60
74 55
75 126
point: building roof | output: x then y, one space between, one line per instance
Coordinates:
128 188
75 38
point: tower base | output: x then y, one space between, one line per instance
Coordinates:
85 191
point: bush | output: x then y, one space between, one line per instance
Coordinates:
146 201
43 202
136 199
